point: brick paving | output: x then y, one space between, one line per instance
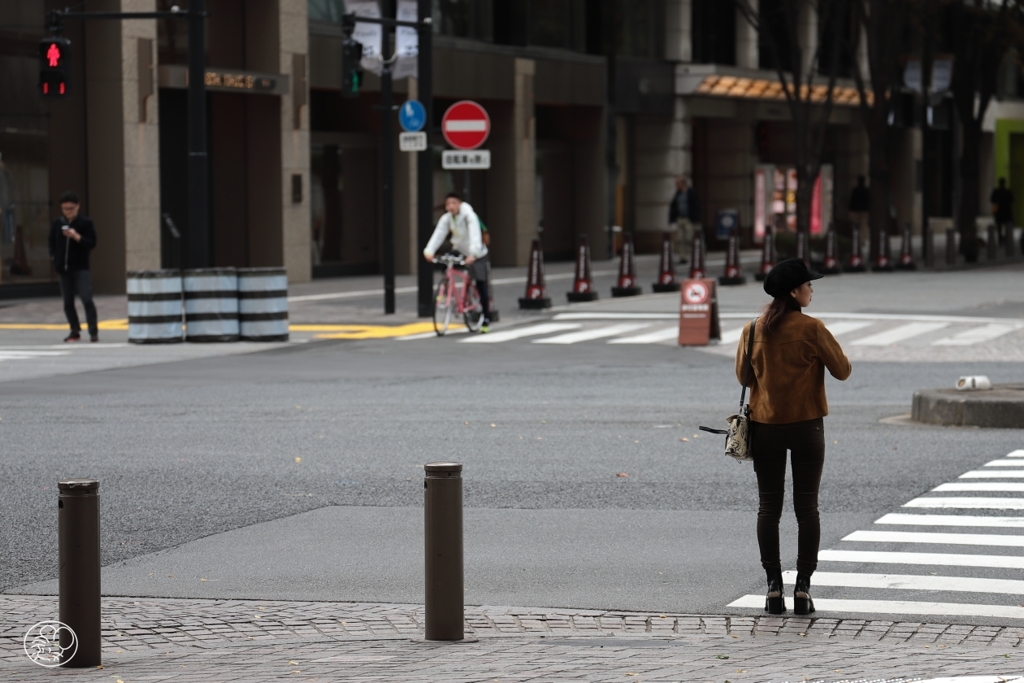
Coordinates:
233 640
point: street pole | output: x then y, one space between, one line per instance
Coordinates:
198 172
425 164
926 156
388 167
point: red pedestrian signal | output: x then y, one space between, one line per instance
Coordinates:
54 67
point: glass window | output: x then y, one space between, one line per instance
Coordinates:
637 22
326 10
464 18
714 32
550 23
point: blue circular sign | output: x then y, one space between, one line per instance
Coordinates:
412 116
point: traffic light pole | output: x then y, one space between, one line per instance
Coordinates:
198 159
425 164
388 169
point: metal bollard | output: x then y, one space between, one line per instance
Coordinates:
78 532
951 247
442 512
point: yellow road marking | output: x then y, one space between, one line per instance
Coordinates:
326 331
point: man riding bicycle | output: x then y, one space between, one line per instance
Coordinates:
462 223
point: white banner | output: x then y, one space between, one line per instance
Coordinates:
370 35
407 41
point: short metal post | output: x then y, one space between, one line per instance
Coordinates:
442 511
78 532
951 247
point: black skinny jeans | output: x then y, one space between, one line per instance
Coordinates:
769 443
77 282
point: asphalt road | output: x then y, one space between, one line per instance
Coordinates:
339 430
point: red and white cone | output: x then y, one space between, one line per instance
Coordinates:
767 254
883 262
583 282
536 291
831 264
732 274
856 263
667 269
698 271
906 261
627 282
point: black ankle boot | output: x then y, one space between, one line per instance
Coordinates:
774 601
802 603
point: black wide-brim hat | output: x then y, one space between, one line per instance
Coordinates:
788 275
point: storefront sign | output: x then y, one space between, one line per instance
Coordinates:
221 80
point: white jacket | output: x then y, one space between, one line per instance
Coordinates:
465 230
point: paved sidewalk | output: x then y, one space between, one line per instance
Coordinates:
204 640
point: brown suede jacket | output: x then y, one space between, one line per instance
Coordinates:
789 369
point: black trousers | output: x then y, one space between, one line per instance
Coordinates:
480 271
806 443
78 282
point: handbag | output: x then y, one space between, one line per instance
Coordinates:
737 436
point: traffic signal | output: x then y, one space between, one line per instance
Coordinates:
351 76
54 67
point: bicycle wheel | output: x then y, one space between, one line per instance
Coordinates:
442 309
474 310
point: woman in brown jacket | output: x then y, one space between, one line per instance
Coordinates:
787 404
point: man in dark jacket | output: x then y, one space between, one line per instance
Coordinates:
684 212
72 237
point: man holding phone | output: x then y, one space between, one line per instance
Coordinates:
72 237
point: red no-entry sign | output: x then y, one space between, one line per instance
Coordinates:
465 125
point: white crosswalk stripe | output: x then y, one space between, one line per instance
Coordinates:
1009 462
901 333
866 334
588 335
851 580
29 355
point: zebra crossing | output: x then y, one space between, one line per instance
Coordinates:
864 335
881 571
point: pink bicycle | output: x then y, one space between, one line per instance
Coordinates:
456 293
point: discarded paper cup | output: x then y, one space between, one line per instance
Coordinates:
973 383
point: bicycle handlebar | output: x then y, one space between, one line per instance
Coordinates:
449 259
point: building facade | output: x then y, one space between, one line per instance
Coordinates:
596 108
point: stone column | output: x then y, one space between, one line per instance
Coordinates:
746 40
808 37
678 31
663 152
123 166
295 228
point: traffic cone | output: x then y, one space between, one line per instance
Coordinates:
667 270
627 271
767 254
831 264
732 274
906 261
698 271
536 291
856 263
583 283
883 263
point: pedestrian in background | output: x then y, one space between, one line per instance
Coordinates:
72 237
859 210
787 405
1002 210
683 215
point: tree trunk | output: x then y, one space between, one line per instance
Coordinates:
804 192
968 210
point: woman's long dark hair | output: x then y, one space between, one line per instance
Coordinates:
776 311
